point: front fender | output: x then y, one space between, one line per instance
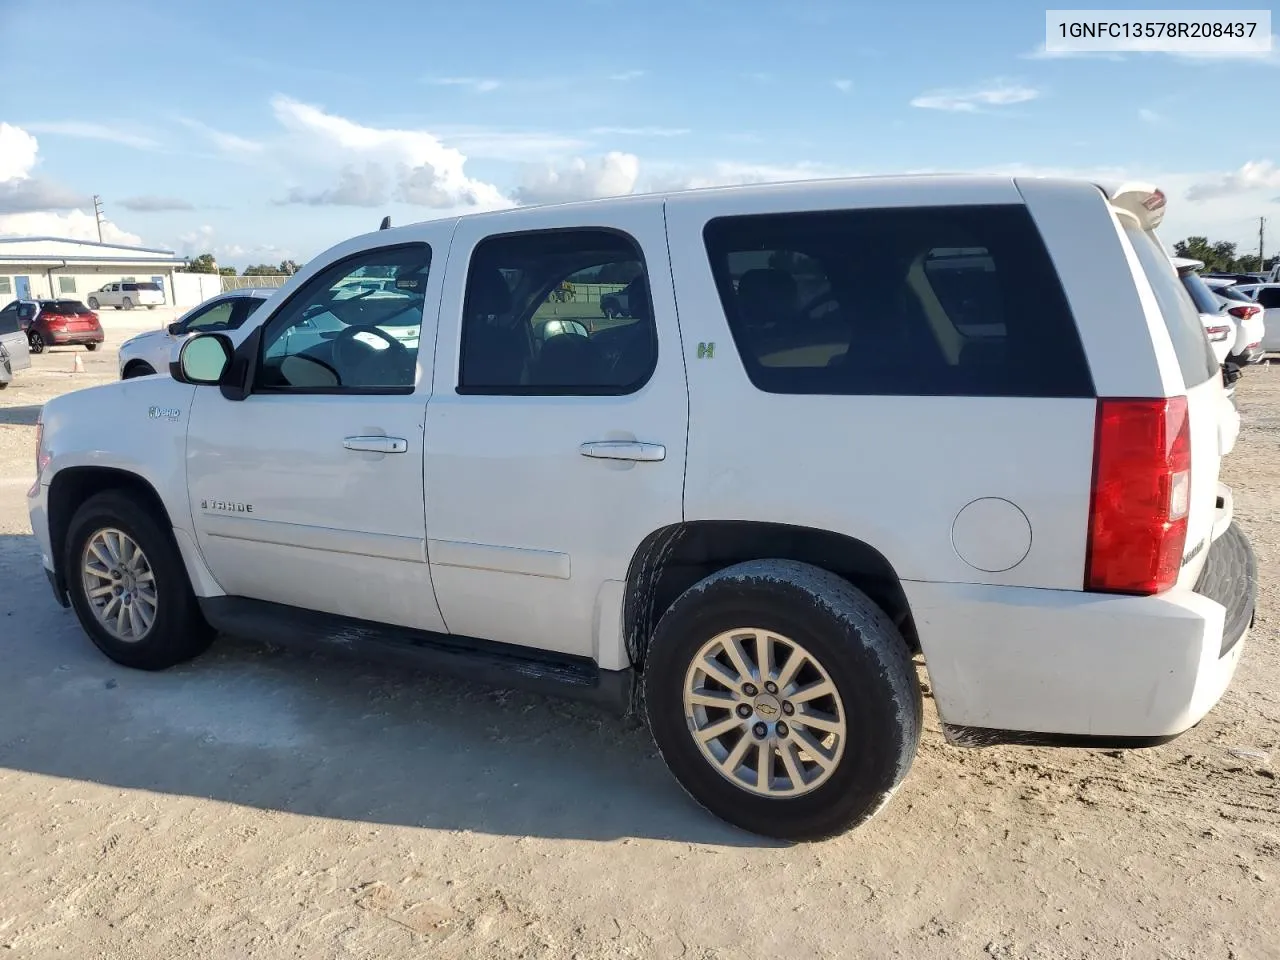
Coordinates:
137 426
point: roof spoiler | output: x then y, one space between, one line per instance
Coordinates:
1144 201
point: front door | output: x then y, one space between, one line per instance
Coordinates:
15 355
309 492
555 433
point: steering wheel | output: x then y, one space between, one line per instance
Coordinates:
389 364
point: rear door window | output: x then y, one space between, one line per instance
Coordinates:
1269 297
921 301
1195 356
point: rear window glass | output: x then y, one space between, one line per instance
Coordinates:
1201 295
64 307
1190 344
923 301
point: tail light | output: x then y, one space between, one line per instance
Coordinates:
1141 495
1244 311
1217 333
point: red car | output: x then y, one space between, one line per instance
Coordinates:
59 323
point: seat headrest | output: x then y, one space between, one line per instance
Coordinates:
487 292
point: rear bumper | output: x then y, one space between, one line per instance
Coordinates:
75 338
1013 664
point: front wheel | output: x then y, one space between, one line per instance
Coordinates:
783 699
91 347
35 342
128 585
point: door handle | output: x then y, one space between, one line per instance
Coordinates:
624 450
376 444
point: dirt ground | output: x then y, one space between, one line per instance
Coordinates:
259 803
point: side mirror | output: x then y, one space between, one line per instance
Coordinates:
174 329
203 359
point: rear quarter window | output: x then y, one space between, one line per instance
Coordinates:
921 301
1181 319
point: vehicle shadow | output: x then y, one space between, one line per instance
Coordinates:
323 736
20 416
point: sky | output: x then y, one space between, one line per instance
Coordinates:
260 131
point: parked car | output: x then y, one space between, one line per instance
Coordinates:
1249 324
1267 296
1219 326
152 352
58 323
14 354
127 295
790 472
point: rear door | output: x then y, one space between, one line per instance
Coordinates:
1269 300
555 434
16 356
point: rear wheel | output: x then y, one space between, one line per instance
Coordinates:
128 585
783 699
93 303
91 347
151 306
128 303
35 342
4 384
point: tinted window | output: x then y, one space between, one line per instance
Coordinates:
1231 293
130 286
216 317
938 301
1195 356
64 308
341 333
565 312
1269 297
9 319
1201 295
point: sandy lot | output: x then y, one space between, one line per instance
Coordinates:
258 803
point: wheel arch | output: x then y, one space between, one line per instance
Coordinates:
72 486
675 557
134 364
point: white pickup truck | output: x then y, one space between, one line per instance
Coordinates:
128 294
746 506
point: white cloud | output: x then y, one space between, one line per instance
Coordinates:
149 203
197 241
510 144
626 75
640 131
228 143
31 206
1000 93
1150 117
94 131
611 175
1254 175
844 86
1040 53
17 152
425 172
727 173
476 84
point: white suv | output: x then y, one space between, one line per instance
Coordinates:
831 435
127 295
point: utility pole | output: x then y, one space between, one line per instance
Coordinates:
97 214
1262 262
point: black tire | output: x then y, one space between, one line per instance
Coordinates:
179 632
35 342
93 303
857 645
137 369
128 303
151 306
4 384
91 347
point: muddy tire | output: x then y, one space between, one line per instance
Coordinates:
795 749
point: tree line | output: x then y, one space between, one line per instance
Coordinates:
206 264
1221 256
